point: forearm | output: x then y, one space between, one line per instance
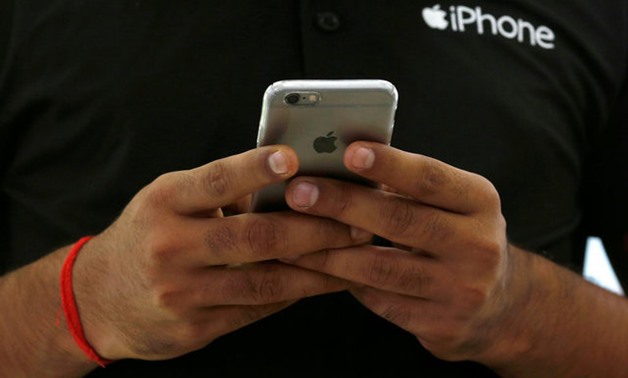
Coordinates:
35 339
564 327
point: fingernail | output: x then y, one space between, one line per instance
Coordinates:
363 158
360 234
305 194
278 163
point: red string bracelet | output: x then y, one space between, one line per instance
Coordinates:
69 304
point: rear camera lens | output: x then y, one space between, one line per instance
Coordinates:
292 98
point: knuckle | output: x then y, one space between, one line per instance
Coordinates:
268 288
220 239
161 191
190 334
170 300
488 194
493 253
399 217
417 279
161 249
166 299
160 254
247 315
472 298
382 272
397 314
257 286
219 179
264 237
488 252
432 177
436 228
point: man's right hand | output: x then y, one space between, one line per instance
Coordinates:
172 273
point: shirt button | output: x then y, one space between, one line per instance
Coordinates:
328 21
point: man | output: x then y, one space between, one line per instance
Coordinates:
135 122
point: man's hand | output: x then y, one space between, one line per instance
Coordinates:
453 280
445 283
172 273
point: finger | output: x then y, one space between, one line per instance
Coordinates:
257 284
425 179
225 181
415 315
396 218
221 320
255 237
387 269
207 324
446 333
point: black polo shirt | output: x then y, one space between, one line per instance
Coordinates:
98 98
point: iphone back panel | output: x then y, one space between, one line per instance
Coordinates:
319 119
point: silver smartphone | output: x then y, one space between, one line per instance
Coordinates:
319 119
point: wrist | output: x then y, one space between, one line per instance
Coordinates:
92 274
70 308
528 340
36 340
518 331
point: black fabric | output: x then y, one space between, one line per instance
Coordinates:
98 98
606 189
6 23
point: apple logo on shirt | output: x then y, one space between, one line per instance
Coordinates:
434 17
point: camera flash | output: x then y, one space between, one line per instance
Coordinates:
313 98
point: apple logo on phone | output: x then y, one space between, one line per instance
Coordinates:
325 144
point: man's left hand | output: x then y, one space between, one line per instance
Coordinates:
451 279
